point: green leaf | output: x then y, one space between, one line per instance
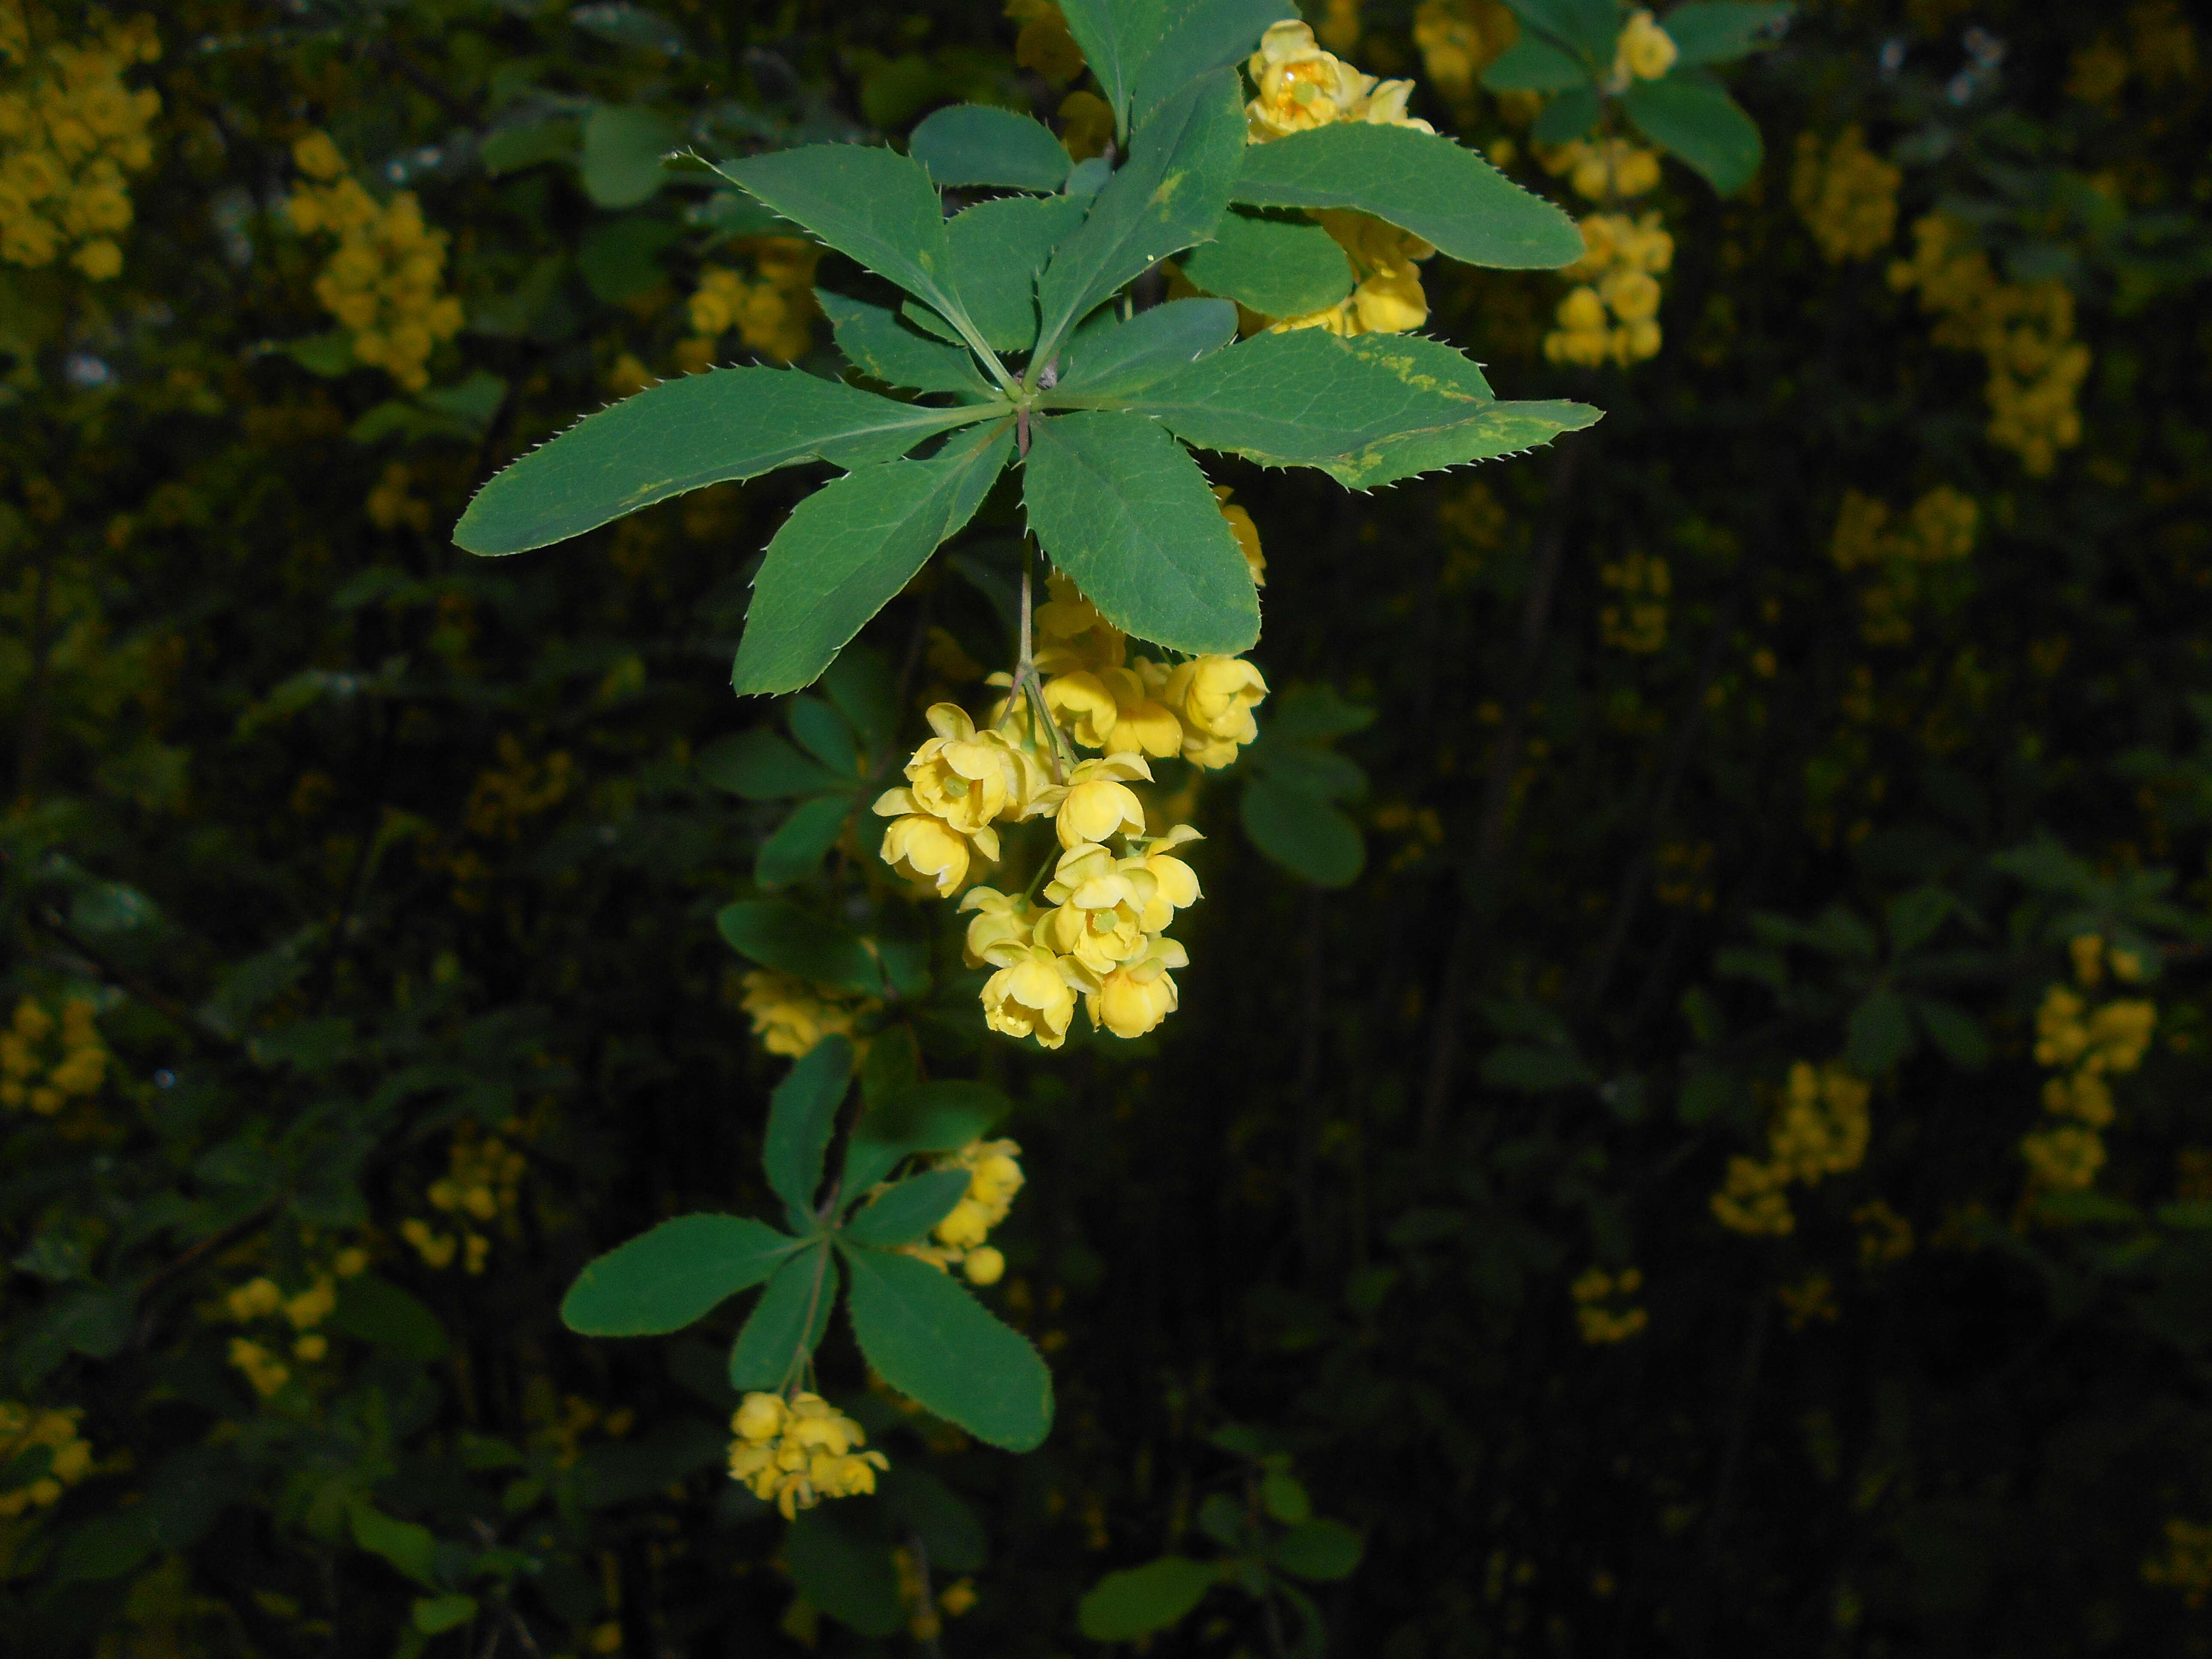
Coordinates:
1879 1033
328 354
1138 1600
436 1614
1914 917
845 552
999 249
934 1343
1278 262
1175 188
2089 1207
825 734
1120 507
860 684
527 144
1955 1031
623 147
1109 360
1720 31
1196 38
375 1310
662 1280
868 202
407 1547
1568 116
932 1117
882 348
1418 181
1533 1069
1321 772
919 1502
802 1114
2193 1215
908 1210
1303 833
620 259
978 145
798 942
1116 37
1500 429
1701 124
794 851
1317 1549
1285 1499
759 765
1588 26
1315 713
682 435
851 1577
1532 63
787 1322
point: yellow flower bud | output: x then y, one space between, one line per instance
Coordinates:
984 1265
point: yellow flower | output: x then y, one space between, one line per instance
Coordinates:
315 155
1098 803
983 1266
925 850
1086 125
1131 1001
262 1369
1247 534
1846 195
1000 929
790 1016
1214 696
1582 310
1301 85
798 1452
255 1299
1045 43
1030 996
1645 51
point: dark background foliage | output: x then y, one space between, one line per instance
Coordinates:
367 850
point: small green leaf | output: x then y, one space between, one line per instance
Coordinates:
1720 31
908 1210
932 1117
1321 772
373 1309
1197 37
979 144
436 1614
622 148
1139 1600
824 734
1914 917
1500 429
1276 261
1285 1499
682 435
845 552
1303 833
1317 1549
1568 116
759 765
527 144
1175 186
847 1575
406 1546
802 1114
882 348
1120 507
793 941
1108 360
861 686
793 852
920 1503
620 258
1692 117
1588 26
786 1323
662 1280
1879 1033
1418 181
1315 713
1532 63
999 249
1955 1031
1116 37
934 1343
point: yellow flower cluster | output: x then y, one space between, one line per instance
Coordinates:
385 281
790 1016
773 310
960 784
1885 1237
1637 621
1939 529
1811 1297
1460 39
2084 1046
2024 331
1821 1130
1846 194
260 1299
44 1075
795 1453
994 1178
1643 52
2163 51
70 132
25 1429
2186 1566
483 1176
1301 87
1612 313
1599 1310
1044 44
1606 170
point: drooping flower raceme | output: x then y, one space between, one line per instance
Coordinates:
994 1176
796 1452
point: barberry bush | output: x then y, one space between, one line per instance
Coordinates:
685 977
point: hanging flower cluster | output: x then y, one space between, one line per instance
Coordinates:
1635 618
2084 1046
1940 528
1643 52
482 1184
26 1431
295 1317
2024 331
385 282
1846 194
70 132
1301 85
791 1015
1603 169
1612 313
1460 39
795 1453
1821 1130
773 311
45 1063
1601 1309
994 1178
